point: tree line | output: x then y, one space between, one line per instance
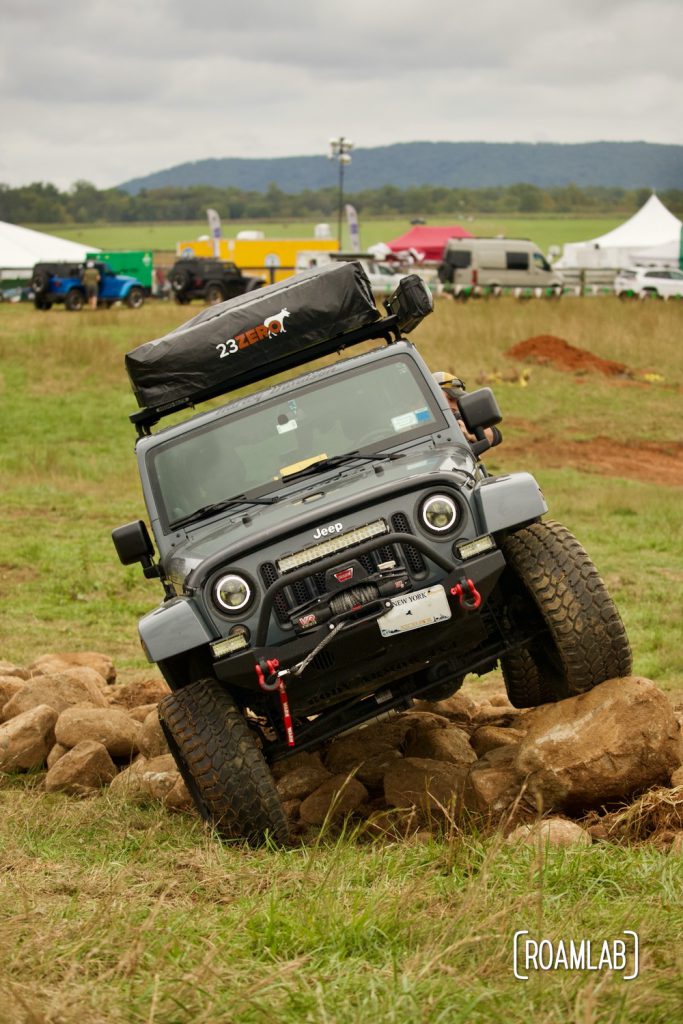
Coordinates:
44 203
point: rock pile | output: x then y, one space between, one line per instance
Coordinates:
449 763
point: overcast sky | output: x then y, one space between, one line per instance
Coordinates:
107 90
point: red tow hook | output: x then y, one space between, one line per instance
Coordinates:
469 603
271 682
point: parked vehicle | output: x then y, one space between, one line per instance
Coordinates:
211 280
496 263
383 276
331 547
648 282
61 282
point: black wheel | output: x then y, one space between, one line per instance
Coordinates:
74 300
214 293
135 298
221 764
181 299
40 302
39 282
179 280
554 586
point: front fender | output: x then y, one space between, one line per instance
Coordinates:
172 628
505 501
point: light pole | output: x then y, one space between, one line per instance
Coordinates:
340 149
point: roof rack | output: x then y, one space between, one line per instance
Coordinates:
263 333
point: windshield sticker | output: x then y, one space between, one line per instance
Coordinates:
284 425
423 415
410 419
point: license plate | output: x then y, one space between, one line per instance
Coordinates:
413 611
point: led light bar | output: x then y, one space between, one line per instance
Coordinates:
329 547
229 645
475 547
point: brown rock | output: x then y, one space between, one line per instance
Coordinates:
127 783
152 740
423 740
459 708
348 752
140 713
291 809
500 700
372 770
141 691
301 760
488 737
9 686
301 782
57 691
550 832
57 751
112 727
602 745
82 770
427 784
677 777
47 664
336 798
178 798
159 776
26 739
492 783
8 668
87 676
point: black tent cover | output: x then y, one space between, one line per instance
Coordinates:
252 336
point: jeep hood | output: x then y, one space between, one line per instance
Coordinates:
314 503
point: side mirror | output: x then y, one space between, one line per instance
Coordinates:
410 303
479 409
133 544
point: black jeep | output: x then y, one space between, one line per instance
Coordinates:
330 547
210 279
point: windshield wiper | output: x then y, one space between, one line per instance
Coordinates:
339 460
219 506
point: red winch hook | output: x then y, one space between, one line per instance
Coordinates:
274 681
471 602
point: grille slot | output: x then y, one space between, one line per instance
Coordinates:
269 576
413 559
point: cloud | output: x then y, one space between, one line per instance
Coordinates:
117 90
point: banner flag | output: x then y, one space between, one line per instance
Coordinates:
354 231
215 229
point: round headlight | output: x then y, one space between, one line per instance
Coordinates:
232 593
439 513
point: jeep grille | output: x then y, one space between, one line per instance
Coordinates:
330 546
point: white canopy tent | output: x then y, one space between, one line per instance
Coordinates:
21 248
652 228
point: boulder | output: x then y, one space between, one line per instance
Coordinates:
57 691
492 784
430 785
348 752
337 797
152 740
677 777
112 727
459 709
57 751
148 778
304 759
603 745
500 700
82 770
47 664
550 832
9 686
8 668
291 809
140 713
300 783
436 743
178 798
26 739
488 737
141 691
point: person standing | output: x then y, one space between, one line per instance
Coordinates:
91 278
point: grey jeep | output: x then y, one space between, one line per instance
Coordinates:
331 548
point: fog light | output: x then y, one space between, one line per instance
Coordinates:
439 513
474 547
229 645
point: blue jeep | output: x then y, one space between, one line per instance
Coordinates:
62 282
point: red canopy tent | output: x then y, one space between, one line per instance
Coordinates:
428 240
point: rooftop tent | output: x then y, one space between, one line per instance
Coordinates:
21 248
428 241
650 228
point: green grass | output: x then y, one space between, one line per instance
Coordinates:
162 237
117 914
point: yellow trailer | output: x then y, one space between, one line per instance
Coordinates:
271 258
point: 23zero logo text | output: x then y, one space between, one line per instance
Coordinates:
271 327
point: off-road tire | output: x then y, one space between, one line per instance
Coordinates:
40 281
74 300
180 280
135 298
219 760
40 302
214 293
582 641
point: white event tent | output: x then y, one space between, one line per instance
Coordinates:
21 248
652 235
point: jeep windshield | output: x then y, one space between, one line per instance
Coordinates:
257 449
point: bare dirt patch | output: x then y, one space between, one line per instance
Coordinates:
548 350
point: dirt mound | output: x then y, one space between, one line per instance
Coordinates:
547 350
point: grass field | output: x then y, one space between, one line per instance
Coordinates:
112 914
162 237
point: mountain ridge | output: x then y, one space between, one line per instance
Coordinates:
448 164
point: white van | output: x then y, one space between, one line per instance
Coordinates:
497 263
